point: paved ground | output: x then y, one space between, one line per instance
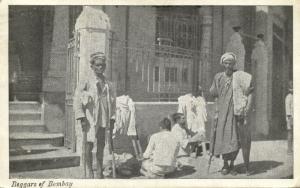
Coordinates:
268 160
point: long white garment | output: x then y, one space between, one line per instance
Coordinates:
194 109
241 84
125 116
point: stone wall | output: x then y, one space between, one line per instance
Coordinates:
141 31
55 42
148 115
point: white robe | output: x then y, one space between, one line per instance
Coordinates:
194 109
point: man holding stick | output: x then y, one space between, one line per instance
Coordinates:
232 89
94 106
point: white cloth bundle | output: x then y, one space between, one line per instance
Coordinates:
194 109
125 116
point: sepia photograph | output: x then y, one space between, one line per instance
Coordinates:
150 92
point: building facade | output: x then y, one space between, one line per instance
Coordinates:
155 54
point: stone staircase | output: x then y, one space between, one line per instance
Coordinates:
31 145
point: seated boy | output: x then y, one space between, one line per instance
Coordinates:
161 152
184 137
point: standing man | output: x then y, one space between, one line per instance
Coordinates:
232 90
94 106
289 117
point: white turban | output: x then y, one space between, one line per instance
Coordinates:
228 56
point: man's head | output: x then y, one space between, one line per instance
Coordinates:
165 124
197 91
178 118
98 62
236 28
228 60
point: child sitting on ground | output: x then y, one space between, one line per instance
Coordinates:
180 131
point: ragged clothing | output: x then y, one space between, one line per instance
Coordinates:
96 100
241 84
194 110
125 116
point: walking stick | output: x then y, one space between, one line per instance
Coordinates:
140 151
111 150
212 142
213 138
84 140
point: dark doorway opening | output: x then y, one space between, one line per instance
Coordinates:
25 52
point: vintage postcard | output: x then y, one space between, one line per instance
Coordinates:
149 94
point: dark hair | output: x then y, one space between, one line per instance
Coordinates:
165 124
236 28
176 116
260 36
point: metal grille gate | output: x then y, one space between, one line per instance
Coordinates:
153 72
160 72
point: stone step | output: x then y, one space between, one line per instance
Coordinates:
24 105
26 126
32 149
60 158
19 139
24 115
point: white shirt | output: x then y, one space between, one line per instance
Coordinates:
182 137
162 148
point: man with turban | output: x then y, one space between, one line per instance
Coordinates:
95 106
232 89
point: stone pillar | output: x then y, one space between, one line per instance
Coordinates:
55 52
259 61
236 46
232 39
232 16
92 29
205 50
55 75
92 32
